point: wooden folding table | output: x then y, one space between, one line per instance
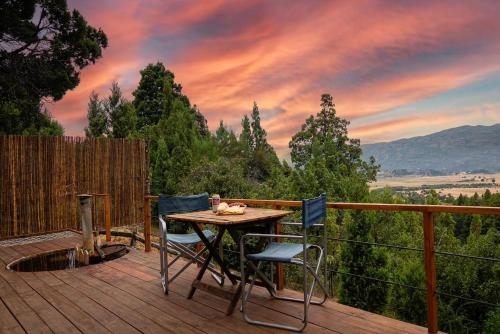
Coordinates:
249 221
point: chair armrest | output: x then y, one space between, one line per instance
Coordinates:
162 226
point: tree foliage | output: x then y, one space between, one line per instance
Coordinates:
114 116
246 138
120 113
323 150
96 116
43 48
151 98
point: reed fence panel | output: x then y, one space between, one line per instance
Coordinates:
41 176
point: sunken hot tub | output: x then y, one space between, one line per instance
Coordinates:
66 259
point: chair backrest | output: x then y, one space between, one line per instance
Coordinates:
313 210
178 204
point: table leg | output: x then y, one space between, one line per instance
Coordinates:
212 249
200 274
212 253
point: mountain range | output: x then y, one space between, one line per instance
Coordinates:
461 149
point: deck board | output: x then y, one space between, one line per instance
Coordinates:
125 296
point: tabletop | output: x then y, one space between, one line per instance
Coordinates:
250 215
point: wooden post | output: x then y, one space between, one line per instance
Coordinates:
280 274
86 222
147 223
430 273
107 216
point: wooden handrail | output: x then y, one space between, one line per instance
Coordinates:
480 210
427 222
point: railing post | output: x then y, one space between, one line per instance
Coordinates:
147 223
280 274
107 216
430 273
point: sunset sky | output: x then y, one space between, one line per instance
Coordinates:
394 68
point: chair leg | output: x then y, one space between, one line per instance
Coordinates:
246 294
164 265
268 284
307 299
194 257
252 283
316 279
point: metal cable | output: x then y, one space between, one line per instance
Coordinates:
378 279
466 256
416 288
378 244
466 298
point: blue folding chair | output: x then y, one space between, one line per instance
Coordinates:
313 214
182 245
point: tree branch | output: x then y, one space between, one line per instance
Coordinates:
24 47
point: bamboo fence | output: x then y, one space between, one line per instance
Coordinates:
41 176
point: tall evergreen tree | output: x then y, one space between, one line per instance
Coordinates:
323 146
227 141
121 113
123 120
259 155
258 133
246 139
201 122
43 48
222 134
96 116
154 96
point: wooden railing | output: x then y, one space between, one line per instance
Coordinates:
427 221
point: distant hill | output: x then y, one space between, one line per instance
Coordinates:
462 149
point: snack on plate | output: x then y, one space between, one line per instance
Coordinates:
231 209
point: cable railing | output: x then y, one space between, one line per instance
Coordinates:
429 248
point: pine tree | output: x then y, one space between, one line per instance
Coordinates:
201 122
151 96
258 133
323 147
246 139
123 120
96 116
121 114
222 135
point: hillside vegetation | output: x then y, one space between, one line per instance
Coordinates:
466 148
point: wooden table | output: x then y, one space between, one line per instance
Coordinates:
252 218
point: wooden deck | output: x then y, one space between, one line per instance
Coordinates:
125 296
